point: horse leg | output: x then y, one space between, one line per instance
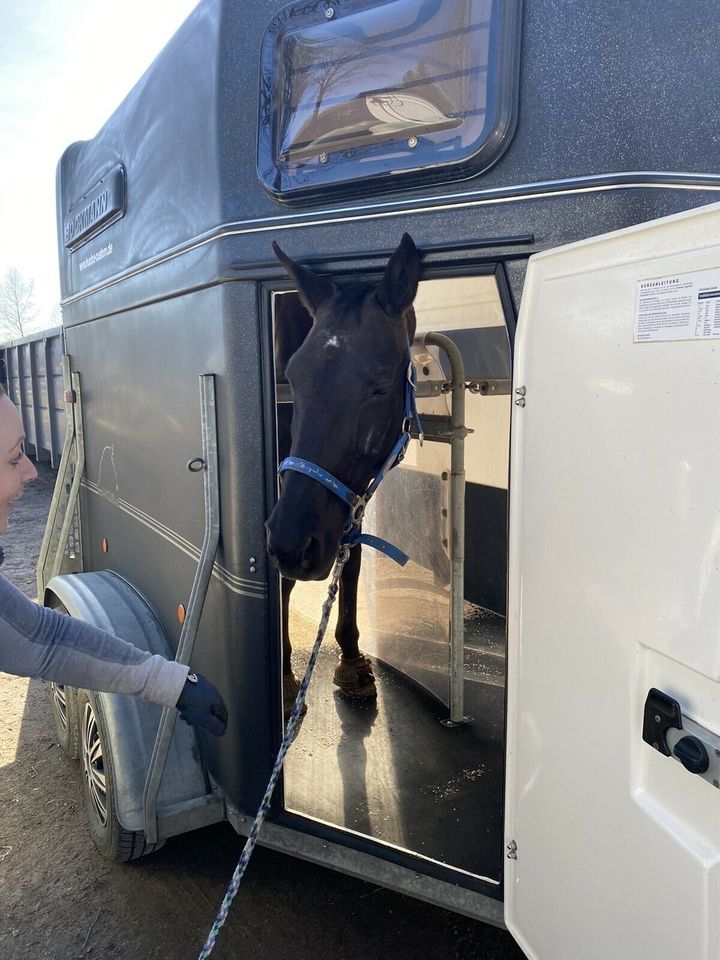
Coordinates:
291 684
353 674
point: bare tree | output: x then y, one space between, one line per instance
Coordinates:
55 316
17 310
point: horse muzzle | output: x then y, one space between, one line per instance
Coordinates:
299 555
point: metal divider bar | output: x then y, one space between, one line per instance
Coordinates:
76 480
73 438
48 372
20 367
34 398
458 432
196 601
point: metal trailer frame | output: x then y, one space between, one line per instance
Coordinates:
32 375
173 278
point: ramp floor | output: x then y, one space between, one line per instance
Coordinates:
390 770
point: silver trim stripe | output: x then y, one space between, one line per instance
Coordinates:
656 180
246 588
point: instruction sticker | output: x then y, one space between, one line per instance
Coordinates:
683 307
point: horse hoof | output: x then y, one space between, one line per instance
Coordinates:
291 687
355 678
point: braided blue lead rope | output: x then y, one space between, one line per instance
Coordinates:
284 747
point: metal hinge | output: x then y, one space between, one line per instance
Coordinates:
520 391
512 850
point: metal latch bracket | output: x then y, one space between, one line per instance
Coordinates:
666 730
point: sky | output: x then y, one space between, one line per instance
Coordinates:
65 65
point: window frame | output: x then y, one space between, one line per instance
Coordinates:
365 169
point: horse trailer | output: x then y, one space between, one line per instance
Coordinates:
543 747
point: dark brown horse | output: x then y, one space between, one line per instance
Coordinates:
346 363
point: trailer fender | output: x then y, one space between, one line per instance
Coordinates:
111 603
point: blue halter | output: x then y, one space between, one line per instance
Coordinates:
358 502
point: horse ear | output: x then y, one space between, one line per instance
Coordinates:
313 289
400 282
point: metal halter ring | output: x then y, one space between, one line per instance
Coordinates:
357 510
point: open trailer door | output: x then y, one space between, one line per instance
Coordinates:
613 845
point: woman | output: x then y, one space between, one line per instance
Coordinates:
37 642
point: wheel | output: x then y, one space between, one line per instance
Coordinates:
109 836
63 703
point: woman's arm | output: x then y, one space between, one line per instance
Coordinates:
37 642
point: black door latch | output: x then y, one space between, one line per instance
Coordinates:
661 714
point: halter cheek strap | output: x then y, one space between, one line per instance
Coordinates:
358 502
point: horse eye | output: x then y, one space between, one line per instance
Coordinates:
380 392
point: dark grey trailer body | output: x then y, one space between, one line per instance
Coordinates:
167 273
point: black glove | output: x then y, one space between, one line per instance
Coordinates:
200 704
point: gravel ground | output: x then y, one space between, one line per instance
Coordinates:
61 900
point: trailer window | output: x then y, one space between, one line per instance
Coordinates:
363 90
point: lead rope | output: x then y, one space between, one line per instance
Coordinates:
290 731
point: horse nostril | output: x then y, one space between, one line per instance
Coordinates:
294 560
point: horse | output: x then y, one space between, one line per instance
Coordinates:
347 365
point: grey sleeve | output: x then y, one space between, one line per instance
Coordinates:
42 643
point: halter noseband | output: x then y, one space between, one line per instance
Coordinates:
358 502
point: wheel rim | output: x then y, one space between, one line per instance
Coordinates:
93 763
60 700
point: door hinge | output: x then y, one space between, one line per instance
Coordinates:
520 393
512 850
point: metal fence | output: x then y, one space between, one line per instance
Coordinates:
32 373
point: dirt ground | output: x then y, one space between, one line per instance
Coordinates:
60 900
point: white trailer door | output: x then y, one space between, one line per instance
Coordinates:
614 848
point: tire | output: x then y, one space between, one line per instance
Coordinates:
63 703
109 836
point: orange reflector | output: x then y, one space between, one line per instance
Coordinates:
104 545
181 613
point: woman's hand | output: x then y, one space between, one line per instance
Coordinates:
201 705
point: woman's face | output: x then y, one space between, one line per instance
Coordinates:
15 468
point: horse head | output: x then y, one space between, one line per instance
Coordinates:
348 385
